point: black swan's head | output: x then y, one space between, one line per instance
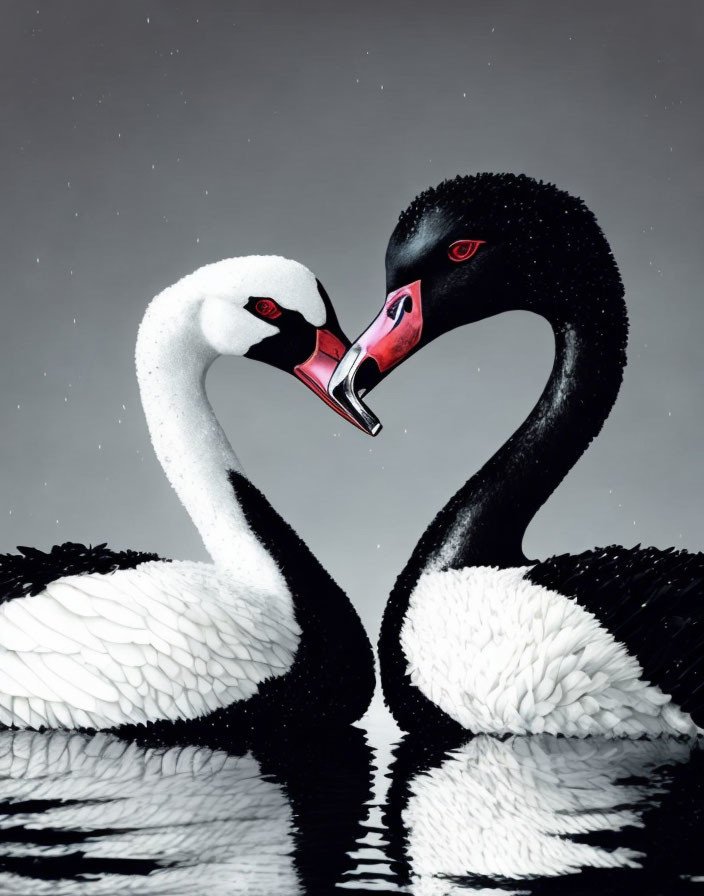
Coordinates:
474 247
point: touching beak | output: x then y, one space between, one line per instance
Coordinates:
317 370
387 341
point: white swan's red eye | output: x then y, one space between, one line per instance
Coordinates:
267 308
461 250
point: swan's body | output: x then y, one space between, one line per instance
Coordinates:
475 636
160 641
525 660
263 630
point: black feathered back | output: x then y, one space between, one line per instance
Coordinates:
30 571
652 601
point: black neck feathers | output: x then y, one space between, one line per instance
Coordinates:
484 523
334 667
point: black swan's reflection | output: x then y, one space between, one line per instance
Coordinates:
97 814
520 814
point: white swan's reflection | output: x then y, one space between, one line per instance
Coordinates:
519 809
98 815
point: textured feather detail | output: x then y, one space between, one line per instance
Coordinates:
91 651
484 662
652 601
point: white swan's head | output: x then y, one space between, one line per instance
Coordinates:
263 301
264 307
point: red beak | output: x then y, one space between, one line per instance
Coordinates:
395 331
317 370
388 340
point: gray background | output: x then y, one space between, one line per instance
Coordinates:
141 140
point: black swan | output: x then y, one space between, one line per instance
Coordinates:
475 636
94 639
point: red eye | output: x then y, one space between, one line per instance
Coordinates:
463 249
267 308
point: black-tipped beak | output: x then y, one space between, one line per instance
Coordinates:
391 336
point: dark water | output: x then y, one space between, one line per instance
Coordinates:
334 814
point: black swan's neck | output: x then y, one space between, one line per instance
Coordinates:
484 523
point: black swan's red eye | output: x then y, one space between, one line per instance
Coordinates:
267 308
461 250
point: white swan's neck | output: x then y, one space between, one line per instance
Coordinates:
172 360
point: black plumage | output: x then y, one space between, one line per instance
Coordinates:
333 672
30 571
651 600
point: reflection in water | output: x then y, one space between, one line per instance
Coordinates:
96 814
517 815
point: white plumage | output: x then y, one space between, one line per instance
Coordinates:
162 641
526 660
184 330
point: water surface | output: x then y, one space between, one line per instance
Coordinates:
351 811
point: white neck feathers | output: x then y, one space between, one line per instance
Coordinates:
173 357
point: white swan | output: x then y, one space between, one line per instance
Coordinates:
94 639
